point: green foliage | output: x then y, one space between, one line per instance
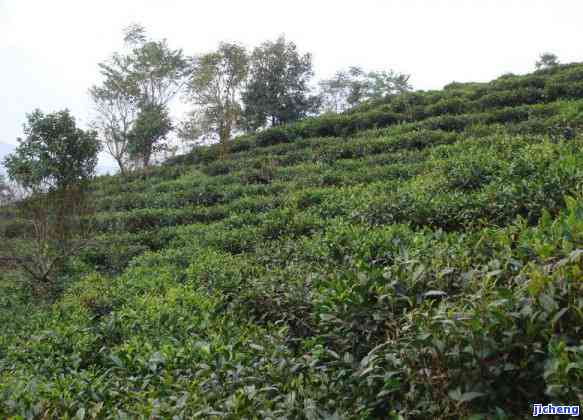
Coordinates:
131 101
150 129
41 232
47 225
215 87
6 192
417 257
547 60
277 91
55 153
350 87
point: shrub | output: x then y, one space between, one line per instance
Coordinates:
429 268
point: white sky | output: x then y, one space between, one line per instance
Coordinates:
49 49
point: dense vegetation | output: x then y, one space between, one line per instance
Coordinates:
417 256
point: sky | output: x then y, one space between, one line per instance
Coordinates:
50 49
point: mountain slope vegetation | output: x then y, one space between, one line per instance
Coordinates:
418 256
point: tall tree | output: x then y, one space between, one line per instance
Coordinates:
148 132
348 88
278 89
116 111
343 90
385 83
188 130
55 153
157 71
547 60
145 77
215 88
54 162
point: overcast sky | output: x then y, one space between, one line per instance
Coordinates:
49 49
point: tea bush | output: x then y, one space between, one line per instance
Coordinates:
419 256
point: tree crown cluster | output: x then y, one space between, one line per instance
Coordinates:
230 90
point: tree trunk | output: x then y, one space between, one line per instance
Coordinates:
122 167
224 136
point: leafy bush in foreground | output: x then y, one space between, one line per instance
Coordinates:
417 257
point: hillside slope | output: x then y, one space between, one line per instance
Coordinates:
419 256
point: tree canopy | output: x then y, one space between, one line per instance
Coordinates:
350 87
215 89
135 83
146 137
229 90
278 89
54 153
546 60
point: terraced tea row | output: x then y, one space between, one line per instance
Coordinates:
417 257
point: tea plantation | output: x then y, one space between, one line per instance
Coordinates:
417 257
